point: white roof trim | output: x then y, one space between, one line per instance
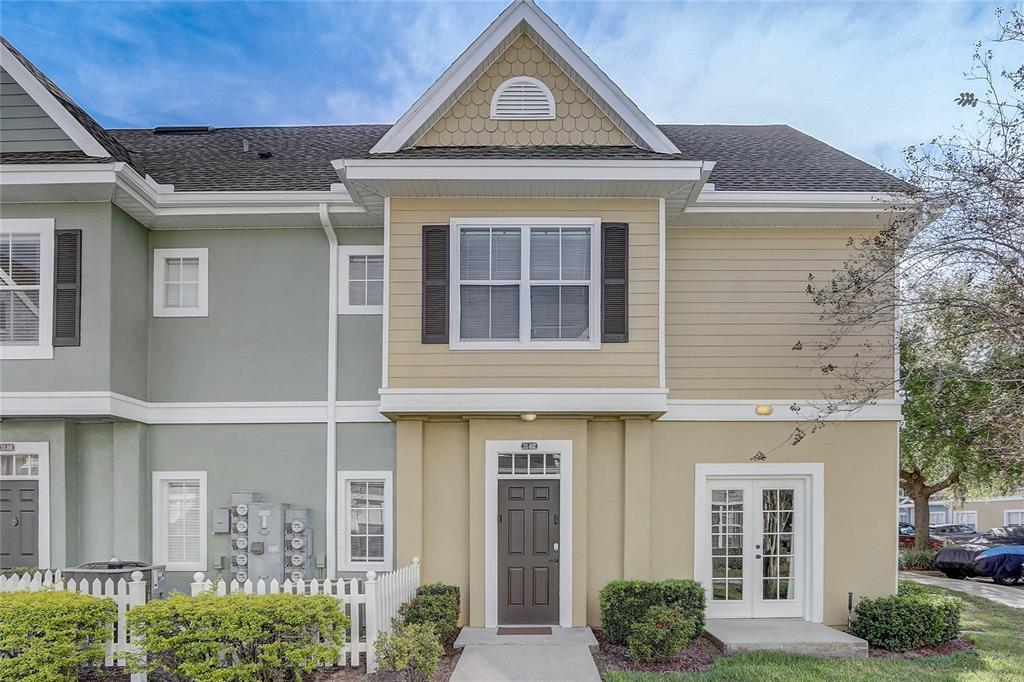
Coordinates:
48 103
400 135
513 169
711 201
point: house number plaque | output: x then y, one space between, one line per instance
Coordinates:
6 447
528 445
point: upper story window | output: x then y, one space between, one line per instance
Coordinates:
524 284
361 273
26 288
522 98
180 282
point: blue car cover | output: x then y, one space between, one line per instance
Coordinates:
1000 562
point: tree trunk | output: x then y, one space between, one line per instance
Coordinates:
922 535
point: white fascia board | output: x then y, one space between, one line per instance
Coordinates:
520 401
743 410
400 135
49 104
518 169
715 201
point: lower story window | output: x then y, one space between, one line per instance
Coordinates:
1014 517
366 520
179 520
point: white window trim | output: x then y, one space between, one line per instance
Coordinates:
1006 515
344 308
42 450
159 272
345 562
524 342
43 348
941 522
550 115
160 479
960 516
491 450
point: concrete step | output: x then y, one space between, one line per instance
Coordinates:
743 635
558 636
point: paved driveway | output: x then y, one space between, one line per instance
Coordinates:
1012 596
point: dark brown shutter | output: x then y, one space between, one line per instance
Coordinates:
614 282
67 288
435 283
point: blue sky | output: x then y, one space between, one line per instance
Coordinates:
869 78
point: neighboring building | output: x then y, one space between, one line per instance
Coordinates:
523 333
980 513
939 512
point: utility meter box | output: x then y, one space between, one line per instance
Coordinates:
269 540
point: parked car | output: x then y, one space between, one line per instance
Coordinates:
955 532
907 537
998 554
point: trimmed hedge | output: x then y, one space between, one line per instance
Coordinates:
907 621
213 638
46 636
440 609
411 651
440 588
624 603
660 635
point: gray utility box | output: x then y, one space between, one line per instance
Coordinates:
269 540
116 569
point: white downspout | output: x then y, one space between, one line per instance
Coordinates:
332 393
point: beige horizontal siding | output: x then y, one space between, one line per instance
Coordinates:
24 126
412 364
736 304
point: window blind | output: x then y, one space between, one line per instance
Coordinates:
183 522
19 288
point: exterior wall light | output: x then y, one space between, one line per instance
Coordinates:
528 417
763 410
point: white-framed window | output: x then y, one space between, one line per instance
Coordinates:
525 283
26 288
365 520
1013 517
181 282
936 518
523 98
179 520
966 518
361 271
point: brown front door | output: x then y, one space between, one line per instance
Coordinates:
19 523
527 552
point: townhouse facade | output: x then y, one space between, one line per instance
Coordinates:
523 333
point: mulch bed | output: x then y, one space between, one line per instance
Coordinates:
958 645
696 657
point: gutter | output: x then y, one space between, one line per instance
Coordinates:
332 393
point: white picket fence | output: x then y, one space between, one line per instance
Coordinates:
126 594
370 604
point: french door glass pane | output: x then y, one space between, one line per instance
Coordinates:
777 558
727 545
489 312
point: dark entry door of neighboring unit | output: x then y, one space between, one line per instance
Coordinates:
19 523
527 552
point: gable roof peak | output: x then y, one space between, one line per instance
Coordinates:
518 18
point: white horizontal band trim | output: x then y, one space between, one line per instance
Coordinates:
743 410
104 403
716 201
518 169
526 400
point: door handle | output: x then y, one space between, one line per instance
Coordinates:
757 556
15 521
555 547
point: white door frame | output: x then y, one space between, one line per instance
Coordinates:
42 450
814 474
491 450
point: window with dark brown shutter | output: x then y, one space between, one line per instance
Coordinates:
435 283
614 282
67 290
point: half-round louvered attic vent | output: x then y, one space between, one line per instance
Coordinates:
522 98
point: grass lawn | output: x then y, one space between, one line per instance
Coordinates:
996 631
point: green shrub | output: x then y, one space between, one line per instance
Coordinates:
46 636
660 635
626 602
412 651
688 597
916 559
440 588
239 637
440 610
907 621
908 588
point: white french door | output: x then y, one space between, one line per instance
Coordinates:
756 548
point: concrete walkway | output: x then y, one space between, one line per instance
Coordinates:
791 636
561 656
1007 595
